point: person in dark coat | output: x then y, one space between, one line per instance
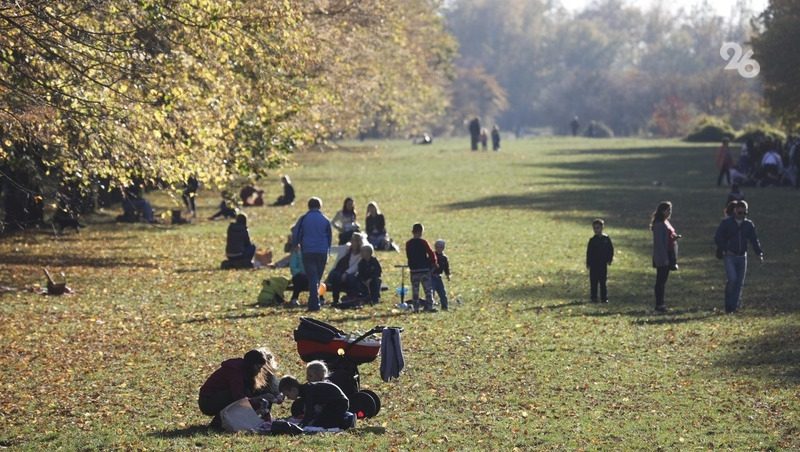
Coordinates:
239 246
189 195
731 238
474 133
252 376
495 138
599 255
325 404
287 198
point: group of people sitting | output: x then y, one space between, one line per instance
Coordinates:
761 164
345 222
254 377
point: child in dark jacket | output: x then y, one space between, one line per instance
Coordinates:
325 403
599 254
369 273
444 269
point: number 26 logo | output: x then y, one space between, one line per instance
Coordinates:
743 63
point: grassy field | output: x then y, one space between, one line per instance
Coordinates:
523 361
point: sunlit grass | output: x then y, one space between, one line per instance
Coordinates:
523 361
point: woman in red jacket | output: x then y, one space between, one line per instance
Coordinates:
252 376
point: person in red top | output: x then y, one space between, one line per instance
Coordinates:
724 162
252 376
421 262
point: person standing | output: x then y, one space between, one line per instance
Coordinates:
474 132
574 125
724 162
665 250
495 138
313 233
599 255
189 195
421 262
731 239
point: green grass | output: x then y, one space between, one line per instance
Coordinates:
522 362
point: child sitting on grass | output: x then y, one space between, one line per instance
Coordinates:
325 404
369 274
316 371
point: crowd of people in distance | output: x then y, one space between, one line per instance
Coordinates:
764 163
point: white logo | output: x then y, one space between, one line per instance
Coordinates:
744 64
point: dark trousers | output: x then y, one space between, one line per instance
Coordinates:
332 414
300 284
371 289
598 274
662 273
438 286
335 284
212 404
314 264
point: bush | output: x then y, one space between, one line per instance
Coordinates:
711 129
598 129
759 132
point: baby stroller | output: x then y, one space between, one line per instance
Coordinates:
342 353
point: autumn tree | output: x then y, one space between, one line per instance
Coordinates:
777 50
160 89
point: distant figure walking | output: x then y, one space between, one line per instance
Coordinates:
474 133
495 138
574 125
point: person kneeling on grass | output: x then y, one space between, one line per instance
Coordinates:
252 376
325 404
369 274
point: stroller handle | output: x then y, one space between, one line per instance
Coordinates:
377 329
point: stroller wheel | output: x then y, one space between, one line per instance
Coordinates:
376 399
297 407
363 405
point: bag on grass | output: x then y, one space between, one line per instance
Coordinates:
240 416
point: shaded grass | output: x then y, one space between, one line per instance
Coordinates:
522 362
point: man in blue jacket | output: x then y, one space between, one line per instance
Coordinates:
731 238
313 233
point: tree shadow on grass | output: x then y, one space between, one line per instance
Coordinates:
186 432
624 190
775 355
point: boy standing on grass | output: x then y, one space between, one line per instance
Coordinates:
421 261
444 268
599 254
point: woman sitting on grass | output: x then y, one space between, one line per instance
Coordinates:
252 376
345 221
376 229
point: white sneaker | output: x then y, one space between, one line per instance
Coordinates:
403 306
